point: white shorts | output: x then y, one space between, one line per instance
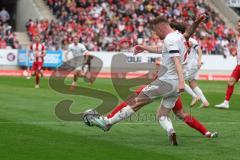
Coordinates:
78 68
165 88
191 74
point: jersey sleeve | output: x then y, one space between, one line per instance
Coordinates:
194 43
83 49
172 47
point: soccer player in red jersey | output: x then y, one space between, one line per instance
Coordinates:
234 77
38 50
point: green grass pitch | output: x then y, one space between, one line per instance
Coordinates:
30 130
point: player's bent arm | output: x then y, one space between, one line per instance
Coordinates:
179 69
190 30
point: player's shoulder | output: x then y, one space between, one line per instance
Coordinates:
70 45
193 41
173 37
81 45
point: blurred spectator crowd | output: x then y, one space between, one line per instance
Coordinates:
7 36
107 24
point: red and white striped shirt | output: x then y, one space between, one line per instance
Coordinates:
38 50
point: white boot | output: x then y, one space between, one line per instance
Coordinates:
224 105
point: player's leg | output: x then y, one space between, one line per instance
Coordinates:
125 103
166 106
199 92
75 78
155 89
35 73
132 106
87 74
195 98
41 73
191 121
37 79
38 73
231 82
143 95
164 120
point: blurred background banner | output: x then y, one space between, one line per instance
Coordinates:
8 57
234 3
53 59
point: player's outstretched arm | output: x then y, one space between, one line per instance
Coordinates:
190 30
152 49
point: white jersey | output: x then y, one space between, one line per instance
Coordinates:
238 52
192 59
77 50
173 46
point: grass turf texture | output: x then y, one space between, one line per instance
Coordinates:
30 130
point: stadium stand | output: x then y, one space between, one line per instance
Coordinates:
8 38
102 25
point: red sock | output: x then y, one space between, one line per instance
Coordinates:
229 92
37 79
117 109
192 122
138 90
123 104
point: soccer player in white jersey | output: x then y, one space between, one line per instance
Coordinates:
77 49
234 77
194 62
38 50
168 86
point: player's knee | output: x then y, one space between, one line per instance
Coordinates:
162 117
231 81
182 115
193 84
142 99
160 114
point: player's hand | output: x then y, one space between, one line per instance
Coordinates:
233 51
199 65
138 49
181 87
201 17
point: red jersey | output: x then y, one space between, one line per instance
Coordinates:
38 50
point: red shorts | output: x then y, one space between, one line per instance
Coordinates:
236 73
37 66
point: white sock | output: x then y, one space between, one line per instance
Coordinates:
226 101
190 91
199 92
124 113
166 123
